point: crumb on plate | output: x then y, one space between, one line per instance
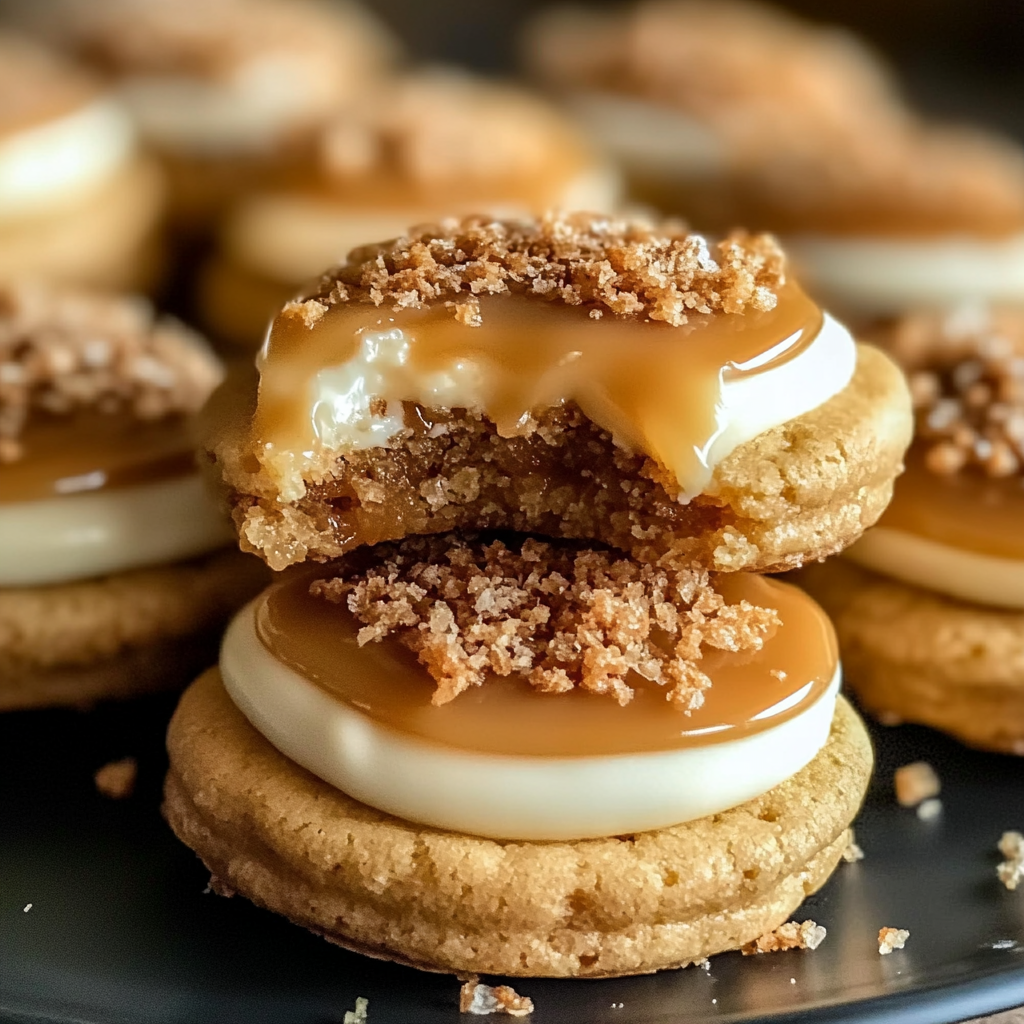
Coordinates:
480 999
915 783
791 935
116 780
891 938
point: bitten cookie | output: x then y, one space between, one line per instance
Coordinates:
443 901
346 451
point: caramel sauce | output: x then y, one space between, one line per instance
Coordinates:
968 511
93 451
656 388
507 716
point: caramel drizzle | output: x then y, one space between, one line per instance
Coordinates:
656 388
87 452
749 693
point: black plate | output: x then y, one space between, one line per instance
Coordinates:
121 930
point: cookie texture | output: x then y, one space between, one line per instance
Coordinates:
800 491
129 633
443 901
915 656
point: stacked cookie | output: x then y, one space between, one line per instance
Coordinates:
522 702
928 606
78 202
114 578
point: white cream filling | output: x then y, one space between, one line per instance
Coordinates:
653 139
58 160
504 796
881 276
78 536
291 238
245 114
965 575
342 396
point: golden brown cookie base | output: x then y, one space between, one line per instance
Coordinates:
800 491
914 656
450 902
130 633
108 238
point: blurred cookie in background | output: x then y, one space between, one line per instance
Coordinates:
221 90
423 146
929 604
116 570
735 113
684 92
78 203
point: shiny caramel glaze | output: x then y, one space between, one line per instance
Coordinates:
965 510
655 388
91 451
749 692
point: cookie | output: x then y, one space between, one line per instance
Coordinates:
79 203
119 636
419 146
443 901
115 571
930 614
800 489
223 93
911 655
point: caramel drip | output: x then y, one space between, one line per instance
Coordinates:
657 389
95 451
968 511
749 692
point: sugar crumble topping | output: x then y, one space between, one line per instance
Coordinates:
629 268
63 351
560 615
791 935
966 374
481 1000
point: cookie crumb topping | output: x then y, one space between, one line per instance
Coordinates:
65 351
966 374
1011 870
891 938
560 615
481 1000
791 935
630 268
